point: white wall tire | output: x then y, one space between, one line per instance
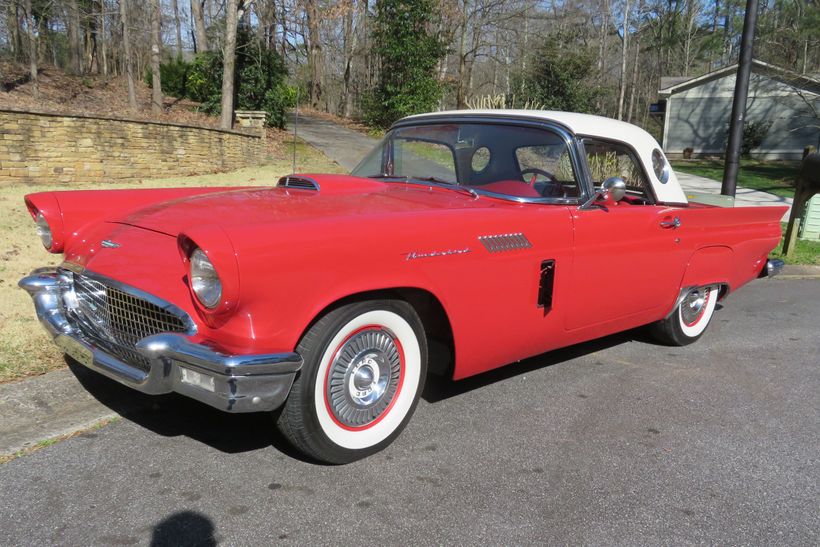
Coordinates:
365 365
691 317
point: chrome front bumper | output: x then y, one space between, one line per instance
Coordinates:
233 383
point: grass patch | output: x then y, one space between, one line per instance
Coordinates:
805 253
39 445
25 349
775 177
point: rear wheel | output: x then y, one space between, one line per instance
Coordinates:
365 365
690 319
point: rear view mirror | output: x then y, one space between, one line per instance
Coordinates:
612 191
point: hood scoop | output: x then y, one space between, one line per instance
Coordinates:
298 182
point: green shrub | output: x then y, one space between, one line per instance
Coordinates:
259 80
408 51
753 135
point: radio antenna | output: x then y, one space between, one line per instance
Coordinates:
295 129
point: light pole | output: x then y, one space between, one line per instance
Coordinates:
744 69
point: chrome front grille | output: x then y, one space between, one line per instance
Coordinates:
115 320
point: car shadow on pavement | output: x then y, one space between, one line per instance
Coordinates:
174 415
439 388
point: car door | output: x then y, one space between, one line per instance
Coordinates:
628 258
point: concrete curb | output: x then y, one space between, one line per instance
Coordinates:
794 271
43 407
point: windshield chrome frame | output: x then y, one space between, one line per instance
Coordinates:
574 146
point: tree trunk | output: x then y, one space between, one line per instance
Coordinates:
636 69
349 39
32 50
102 39
178 24
199 25
75 48
461 98
624 50
228 62
156 49
315 59
126 46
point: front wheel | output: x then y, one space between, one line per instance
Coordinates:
690 319
364 369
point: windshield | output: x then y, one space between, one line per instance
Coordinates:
504 160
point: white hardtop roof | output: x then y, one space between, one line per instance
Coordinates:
580 124
589 125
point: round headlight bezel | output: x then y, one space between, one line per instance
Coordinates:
44 230
205 281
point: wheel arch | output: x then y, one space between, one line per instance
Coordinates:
437 326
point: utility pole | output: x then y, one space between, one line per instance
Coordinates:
744 69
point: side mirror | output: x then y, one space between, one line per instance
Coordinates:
612 191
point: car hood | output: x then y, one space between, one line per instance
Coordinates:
339 197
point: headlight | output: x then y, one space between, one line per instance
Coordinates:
44 230
204 280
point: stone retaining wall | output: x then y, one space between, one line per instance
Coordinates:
43 148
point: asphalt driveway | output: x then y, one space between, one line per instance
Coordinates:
617 441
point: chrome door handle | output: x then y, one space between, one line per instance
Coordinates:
674 223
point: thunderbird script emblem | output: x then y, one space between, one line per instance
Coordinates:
108 244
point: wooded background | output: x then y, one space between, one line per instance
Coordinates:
351 57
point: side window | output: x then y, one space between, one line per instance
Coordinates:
606 159
548 167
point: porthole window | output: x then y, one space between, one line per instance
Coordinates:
660 166
481 159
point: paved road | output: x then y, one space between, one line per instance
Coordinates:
612 442
344 146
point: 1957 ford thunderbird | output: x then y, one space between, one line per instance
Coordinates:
464 241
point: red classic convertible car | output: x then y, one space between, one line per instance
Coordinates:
467 240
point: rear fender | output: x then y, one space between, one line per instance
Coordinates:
709 266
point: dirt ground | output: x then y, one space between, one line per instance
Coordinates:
24 346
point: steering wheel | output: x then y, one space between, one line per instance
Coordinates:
552 188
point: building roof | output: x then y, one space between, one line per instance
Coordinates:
675 84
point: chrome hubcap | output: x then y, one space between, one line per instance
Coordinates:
693 305
364 377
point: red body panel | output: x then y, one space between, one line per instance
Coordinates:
285 255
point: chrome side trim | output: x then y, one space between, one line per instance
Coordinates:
298 182
505 242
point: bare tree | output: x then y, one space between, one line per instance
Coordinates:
315 57
624 50
232 16
74 39
200 35
178 25
103 39
129 62
156 50
32 49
